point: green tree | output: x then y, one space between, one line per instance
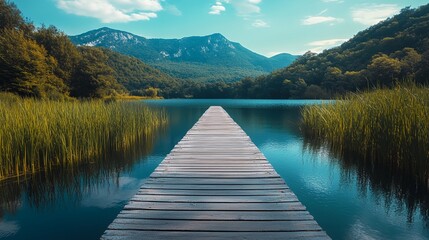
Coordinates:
93 78
410 60
151 92
25 66
315 92
422 74
384 69
61 48
10 18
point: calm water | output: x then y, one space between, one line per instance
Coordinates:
347 202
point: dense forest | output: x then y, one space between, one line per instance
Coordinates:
44 63
386 54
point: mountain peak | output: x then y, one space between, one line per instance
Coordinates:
204 51
106 37
217 35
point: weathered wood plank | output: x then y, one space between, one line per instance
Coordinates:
214 171
225 226
209 165
287 197
283 206
216 215
205 181
180 235
215 184
215 187
204 192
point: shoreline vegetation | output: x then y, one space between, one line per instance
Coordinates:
385 128
38 135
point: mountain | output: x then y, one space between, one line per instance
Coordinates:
207 58
391 52
278 60
137 76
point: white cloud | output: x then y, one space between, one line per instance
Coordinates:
246 7
371 14
217 9
109 11
318 19
323 11
258 23
312 20
173 10
319 46
249 10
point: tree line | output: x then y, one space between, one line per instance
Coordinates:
389 53
43 62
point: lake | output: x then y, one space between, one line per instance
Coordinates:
348 201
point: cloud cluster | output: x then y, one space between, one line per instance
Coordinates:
318 19
319 46
371 14
258 23
217 8
243 7
312 20
247 9
109 11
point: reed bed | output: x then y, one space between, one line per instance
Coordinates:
386 127
37 135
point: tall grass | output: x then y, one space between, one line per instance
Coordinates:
388 128
38 135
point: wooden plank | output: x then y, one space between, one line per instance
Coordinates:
205 181
218 176
214 170
214 184
180 235
204 192
219 157
225 226
216 215
287 197
214 187
282 206
208 165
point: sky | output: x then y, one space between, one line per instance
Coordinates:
267 27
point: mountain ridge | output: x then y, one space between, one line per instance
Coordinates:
198 55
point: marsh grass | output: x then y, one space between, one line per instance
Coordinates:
386 127
38 135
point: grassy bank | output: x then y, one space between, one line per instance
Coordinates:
38 135
383 127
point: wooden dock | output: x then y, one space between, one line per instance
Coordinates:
215 184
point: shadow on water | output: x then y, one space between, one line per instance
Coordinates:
67 184
390 183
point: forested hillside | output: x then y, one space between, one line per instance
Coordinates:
44 63
137 77
393 51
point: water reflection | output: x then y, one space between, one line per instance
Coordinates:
396 186
69 183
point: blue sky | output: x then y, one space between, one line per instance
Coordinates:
264 26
